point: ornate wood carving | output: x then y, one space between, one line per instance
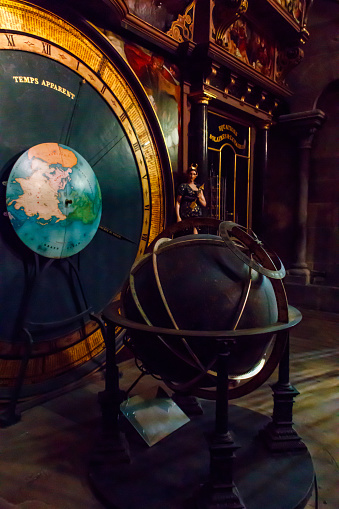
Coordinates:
287 59
182 29
224 13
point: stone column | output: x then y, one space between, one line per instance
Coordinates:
302 126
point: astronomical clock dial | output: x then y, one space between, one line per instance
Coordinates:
67 86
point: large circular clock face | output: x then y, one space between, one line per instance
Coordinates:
58 86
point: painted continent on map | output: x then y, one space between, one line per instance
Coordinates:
53 200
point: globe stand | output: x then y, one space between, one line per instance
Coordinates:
219 492
112 443
11 416
188 403
27 328
161 475
279 434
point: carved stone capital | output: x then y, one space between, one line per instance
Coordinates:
303 125
201 97
265 126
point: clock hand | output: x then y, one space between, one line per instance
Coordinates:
111 144
70 124
114 234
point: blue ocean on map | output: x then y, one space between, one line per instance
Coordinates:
54 200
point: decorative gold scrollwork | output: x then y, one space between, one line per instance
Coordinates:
182 29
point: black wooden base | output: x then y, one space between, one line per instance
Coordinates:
170 474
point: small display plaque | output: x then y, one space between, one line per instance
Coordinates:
153 418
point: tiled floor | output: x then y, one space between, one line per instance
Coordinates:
44 458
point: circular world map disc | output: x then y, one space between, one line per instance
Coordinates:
53 200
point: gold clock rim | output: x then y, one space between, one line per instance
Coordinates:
147 159
106 74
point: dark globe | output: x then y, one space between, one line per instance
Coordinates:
198 283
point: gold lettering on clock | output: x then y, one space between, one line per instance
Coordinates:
58 88
25 79
44 83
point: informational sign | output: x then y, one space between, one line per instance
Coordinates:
222 131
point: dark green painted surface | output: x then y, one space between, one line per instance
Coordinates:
31 113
